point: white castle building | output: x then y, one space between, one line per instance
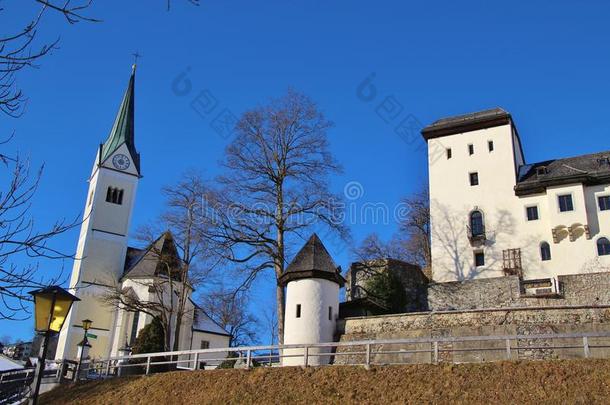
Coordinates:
105 261
493 214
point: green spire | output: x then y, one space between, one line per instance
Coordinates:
123 129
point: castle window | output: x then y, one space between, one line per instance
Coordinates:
205 344
470 149
532 213
565 203
114 195
604 202
490 146
474 179
545 251
479 259
448 153
298 310
330 313
603 247
477 228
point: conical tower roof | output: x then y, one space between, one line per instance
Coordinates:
122 131
312 261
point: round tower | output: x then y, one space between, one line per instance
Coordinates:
312 283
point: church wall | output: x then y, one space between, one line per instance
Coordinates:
215 342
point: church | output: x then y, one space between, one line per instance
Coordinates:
105 262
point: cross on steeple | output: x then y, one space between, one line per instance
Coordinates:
136 55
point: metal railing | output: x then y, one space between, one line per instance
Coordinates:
363 352
15 384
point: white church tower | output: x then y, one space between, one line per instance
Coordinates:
312 284
102 243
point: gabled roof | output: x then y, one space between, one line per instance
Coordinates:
202 322
312 261
154 260
466 122
586 169
122 131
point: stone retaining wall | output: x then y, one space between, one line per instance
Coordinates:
502 292
491 322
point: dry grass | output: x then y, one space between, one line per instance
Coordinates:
568 381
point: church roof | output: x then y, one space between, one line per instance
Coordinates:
588 169
152 261
202 322
466 122
312 261
122 131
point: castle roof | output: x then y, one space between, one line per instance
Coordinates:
312 261
122 131
588 169
466 122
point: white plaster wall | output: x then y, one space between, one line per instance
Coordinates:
452 199
315 297
216 342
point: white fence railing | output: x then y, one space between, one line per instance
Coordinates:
365 352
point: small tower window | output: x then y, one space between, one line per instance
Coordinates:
448 153
604 202
330 313
545 251
490 145
532 213
474 178
565 203
479 259
470 149
298 310
603 247
114 195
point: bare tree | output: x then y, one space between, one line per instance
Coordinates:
20 49
275 188
414 230
187 265
230 311
21 239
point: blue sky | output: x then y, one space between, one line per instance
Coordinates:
545 62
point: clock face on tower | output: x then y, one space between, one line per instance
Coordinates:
120 161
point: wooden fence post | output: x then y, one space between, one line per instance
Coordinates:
507 349
435 357
248 358
367 360
148 365
108 368
306 356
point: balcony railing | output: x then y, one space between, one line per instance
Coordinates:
476 233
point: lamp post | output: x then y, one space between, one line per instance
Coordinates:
84 345
51 307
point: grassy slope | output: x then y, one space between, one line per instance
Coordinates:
574 381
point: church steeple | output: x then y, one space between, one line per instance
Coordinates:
122 132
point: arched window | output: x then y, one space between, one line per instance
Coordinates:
603 246
545 251
476 223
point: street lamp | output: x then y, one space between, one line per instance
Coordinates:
83 346
51 307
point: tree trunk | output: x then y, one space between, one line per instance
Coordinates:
280 313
